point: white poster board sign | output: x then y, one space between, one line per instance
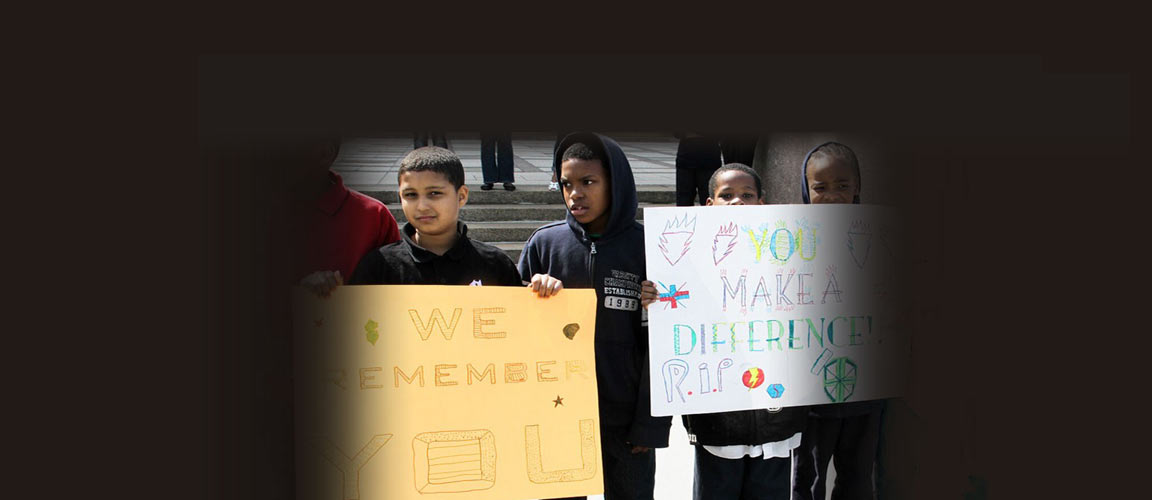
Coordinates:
772 305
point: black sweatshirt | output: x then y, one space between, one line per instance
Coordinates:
612 264
406 263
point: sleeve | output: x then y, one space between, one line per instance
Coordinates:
389 231
529 260
368 271
647 430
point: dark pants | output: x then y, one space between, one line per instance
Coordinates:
747 478
496 158
556 155
851 442
627 476
692 183
421 139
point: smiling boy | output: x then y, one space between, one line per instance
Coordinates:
740 455
434 248
601 246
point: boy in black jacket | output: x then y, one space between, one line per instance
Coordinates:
434 248
846 432
740 455
601 246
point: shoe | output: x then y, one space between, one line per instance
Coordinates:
553 186
487 186
509 187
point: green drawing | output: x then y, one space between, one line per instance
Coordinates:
839 379
370 327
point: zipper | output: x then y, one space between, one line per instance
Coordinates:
592 266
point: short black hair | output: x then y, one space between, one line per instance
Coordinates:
434 159
739 167
580 151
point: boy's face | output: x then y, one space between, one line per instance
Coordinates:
430 202
735 188
587 192
831 181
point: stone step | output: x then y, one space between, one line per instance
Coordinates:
510 212
506 231
512 248
527 194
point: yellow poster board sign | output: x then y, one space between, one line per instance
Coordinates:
423 392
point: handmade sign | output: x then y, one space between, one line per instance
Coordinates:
410 392
772 305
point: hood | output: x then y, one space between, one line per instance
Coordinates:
804 175
622 211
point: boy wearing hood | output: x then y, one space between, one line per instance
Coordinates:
600 246
848 432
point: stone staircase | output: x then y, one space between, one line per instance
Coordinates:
507 218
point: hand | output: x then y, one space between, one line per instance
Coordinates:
545 286
322 283
640 449
647 293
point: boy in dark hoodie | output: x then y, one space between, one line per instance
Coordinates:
600 245
846 432
740 455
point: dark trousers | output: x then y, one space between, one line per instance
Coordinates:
496 158
692 183
556 155
747 478
627 476
421 139
852 443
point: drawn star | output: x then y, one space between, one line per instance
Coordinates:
559 401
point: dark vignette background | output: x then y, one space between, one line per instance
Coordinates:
1006 163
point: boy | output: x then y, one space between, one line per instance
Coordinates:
740 455
850 432
600 245
434 248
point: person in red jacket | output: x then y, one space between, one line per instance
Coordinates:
339 225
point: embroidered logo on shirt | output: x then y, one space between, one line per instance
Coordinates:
476 283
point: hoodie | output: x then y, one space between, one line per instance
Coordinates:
838 410
612 264
804 174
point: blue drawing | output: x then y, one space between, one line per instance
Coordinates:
775 390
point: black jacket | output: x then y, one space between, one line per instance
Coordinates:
698 152
406 263
852 408
746 427
613 265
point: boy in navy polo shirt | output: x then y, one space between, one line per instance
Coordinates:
434 248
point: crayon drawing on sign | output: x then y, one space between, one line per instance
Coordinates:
676 239
724 242
672 295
